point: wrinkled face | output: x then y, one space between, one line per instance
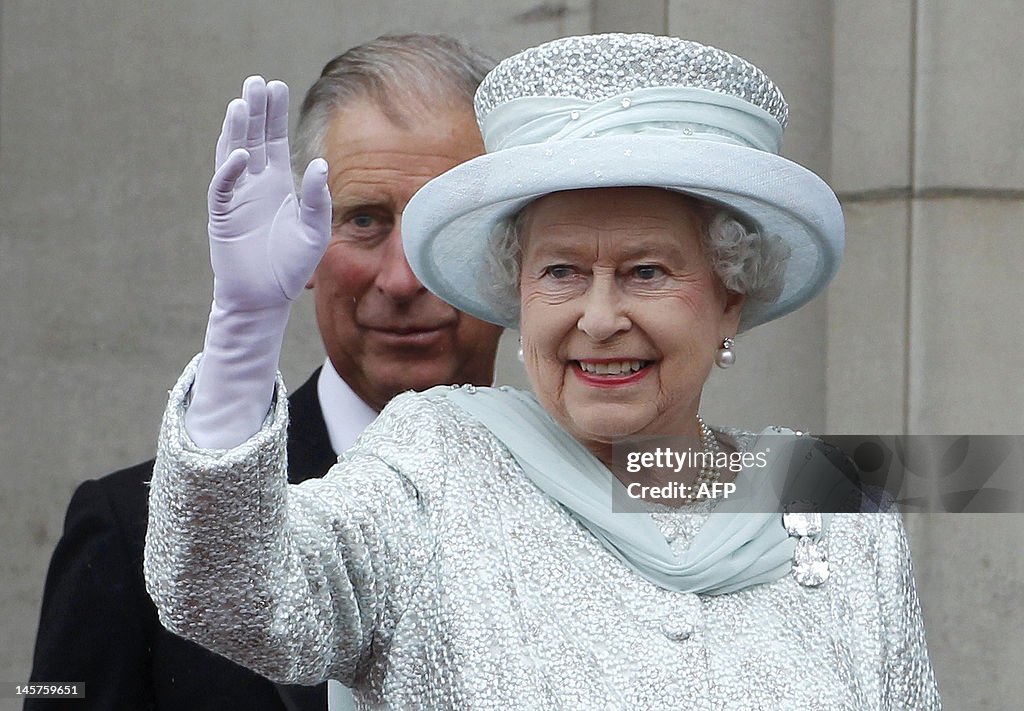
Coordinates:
621 312
384 332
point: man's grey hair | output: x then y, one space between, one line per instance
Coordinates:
746 260
400 74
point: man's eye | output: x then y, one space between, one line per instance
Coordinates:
365 228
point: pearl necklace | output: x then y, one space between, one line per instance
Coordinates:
707 475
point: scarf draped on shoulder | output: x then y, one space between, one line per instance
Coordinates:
743 543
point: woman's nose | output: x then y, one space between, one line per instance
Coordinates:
603 310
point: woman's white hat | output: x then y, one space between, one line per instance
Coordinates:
620 110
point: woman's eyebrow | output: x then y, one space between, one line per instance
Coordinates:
555 251
645 248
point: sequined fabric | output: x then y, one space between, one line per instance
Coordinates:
429 573
596 67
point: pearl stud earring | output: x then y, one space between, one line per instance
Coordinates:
726 356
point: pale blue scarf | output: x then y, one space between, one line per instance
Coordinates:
738 547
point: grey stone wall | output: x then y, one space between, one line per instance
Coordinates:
923 332
108 114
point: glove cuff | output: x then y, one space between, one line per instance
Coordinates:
234 385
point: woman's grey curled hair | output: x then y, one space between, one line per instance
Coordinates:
747 261
401 74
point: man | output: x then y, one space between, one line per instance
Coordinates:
388 116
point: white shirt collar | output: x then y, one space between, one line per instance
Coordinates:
345 414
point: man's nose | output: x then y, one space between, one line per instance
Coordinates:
395 277
603 309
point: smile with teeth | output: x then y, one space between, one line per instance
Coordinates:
621 367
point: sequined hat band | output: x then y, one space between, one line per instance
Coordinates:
597 67
680 112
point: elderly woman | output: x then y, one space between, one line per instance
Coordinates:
472 551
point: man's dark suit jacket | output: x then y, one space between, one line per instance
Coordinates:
99 626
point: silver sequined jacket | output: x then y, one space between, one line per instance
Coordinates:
426 571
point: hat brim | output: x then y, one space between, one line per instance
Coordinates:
447 224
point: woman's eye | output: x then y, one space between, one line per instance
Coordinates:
559 271
646 272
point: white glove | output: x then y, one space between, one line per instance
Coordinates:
264 245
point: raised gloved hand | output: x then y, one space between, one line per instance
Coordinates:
265 243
